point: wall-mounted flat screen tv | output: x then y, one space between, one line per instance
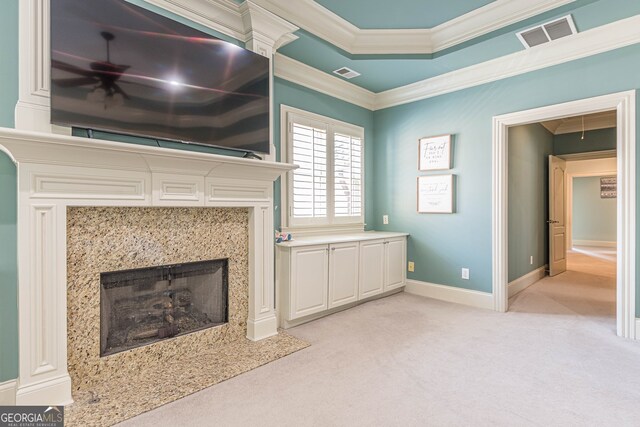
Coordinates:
121 68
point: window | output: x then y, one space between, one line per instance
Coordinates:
327 188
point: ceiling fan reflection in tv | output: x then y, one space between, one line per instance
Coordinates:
103 76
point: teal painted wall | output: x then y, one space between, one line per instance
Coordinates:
529 150
8 188
594 218
595 140
8 61
293 95
441 244
8 271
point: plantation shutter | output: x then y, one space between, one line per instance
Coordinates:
309 186
347 175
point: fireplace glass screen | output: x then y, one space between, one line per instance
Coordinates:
141 306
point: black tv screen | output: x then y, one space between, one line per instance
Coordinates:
121 68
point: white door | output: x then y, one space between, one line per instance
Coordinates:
343 273
557 216
371 268
394 263
309 279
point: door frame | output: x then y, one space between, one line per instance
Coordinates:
625 105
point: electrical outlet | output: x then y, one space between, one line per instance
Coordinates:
385 219
412 266
465 273
531 260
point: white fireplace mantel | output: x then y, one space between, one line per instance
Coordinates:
56 171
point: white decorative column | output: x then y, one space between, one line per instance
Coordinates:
265 33
32 109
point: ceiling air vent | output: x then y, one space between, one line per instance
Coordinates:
347 73
547 32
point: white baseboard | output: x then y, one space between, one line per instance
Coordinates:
8 393
598 243
286 324
53 391
450 294
522 283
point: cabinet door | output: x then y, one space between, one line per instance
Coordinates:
343 273
309 280
395 254
371 268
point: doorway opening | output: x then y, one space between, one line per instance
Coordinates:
562 227
624 106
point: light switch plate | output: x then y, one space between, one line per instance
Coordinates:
465 273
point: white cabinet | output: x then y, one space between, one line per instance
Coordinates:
343 273
309 272
382 264
316 275
394 263
372 266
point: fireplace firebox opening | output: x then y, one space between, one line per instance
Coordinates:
142 306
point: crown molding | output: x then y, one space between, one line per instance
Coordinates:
223 16
260 24
592 42
312 78
312 17
491 17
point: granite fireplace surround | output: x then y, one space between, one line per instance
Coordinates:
91 206
103 239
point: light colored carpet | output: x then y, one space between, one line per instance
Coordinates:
554 360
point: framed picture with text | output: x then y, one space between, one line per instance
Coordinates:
435 194
434 153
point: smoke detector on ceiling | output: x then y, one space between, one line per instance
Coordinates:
347 73
545 33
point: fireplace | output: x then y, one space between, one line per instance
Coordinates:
141 306
91 206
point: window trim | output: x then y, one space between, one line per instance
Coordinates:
331 223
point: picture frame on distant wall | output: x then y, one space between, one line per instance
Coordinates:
608 187
435 193
434 153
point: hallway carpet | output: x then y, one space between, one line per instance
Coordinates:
553 360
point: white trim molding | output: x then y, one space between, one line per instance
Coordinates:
625 105
336 30
450 294
57 171
592 42
319 81
522 283
595 243
8 393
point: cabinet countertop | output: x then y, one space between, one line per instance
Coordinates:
325 239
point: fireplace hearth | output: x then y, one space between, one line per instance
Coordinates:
142 306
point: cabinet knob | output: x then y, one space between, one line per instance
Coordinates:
333 249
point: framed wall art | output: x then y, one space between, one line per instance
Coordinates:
435 194
608 187
434 153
